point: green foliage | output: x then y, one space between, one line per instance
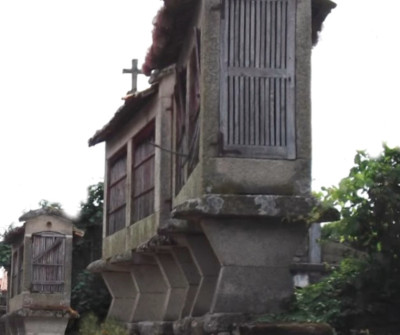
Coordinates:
360 294
91 212
90 326
90 294
5 250
46 204
369 203
5 256
332 300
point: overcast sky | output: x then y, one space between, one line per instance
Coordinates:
61 79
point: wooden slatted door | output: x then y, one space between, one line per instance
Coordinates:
258 78
48 262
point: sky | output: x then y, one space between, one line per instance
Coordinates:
61 79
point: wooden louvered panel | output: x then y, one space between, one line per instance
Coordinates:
143 176
48 262
257 93
116 206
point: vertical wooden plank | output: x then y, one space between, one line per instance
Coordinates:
230 8
268 34
273 34
283 34
236 34
278 33
263 31
237 111
247 37
241 109
272 111
278 111
251 111
262 111
258 33
257 110
267 111
242 34
230 110
245 111
284 111
252 32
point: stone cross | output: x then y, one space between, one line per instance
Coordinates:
134 71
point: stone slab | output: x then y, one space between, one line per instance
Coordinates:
290 208
254 242
254 290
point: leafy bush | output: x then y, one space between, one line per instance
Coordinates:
360 294
90 294
369 203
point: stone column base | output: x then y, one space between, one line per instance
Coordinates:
226 324
28 322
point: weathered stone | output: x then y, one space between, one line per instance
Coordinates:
223 322
289 208
286 329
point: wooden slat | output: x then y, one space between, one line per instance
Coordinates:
268 35
252 33
257 111
263 27
262 111
278 112
252 115
257 33
241 34
283 34
48 249
236 111
230 30
273 34
279 41
284 110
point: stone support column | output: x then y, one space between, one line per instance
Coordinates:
177 286
192 275
153 291
208 267
255 255
124 291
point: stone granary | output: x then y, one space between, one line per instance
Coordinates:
40 281
208 171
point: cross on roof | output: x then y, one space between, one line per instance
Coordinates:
134 71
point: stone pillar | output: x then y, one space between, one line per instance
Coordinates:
124 291
177 286
192 275
153 291
207 266
255 255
